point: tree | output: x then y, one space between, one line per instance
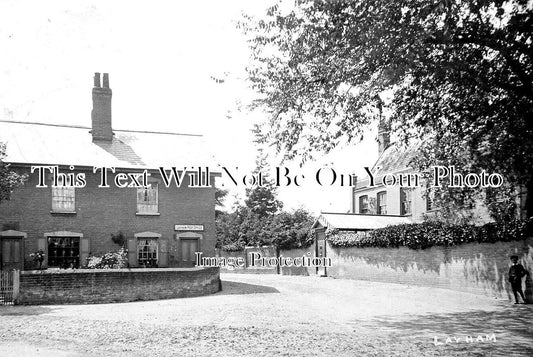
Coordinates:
292 230
284 230
261 221
220 196
262 198
231 234
9 179
459 73
250 225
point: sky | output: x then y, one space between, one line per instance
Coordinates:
161 57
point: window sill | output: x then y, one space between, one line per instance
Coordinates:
147 214
63 212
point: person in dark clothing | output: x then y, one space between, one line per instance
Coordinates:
516 273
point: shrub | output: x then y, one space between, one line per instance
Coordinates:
119 239
243 227
232 247
428 234
110 260
38 257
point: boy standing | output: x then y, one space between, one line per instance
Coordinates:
516 273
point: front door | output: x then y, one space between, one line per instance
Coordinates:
188 247
12 256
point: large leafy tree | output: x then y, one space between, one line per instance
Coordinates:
458 74
9 179
261 221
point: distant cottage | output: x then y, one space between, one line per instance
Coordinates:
162 227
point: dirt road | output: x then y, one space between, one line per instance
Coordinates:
265 315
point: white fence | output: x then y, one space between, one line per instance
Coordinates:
9 287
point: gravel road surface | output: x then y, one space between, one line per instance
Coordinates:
269 315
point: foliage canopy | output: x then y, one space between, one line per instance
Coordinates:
456 73
9 179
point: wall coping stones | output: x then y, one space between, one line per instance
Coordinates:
107 271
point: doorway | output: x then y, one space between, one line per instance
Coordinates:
185 246
320 250
12 250
12 255
188 248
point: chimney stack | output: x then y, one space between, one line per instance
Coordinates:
101 113
383 128
383 136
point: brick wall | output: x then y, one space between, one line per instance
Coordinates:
85 286
101 212
295 253
271 251
245 255
472 267
478 268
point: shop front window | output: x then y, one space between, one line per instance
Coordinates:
64 252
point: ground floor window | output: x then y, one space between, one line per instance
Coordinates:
64 252
382 202
147 252
406 198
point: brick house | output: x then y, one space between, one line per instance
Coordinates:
162 226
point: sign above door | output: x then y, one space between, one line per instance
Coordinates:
188 227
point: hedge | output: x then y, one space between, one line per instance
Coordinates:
428 234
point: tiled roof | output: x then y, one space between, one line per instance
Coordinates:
352 221
396 157
37 143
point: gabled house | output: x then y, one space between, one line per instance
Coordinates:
415 203
161 226
378 206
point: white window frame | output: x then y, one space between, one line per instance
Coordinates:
406 206
146 243
381 202
148 208
63 199
364 204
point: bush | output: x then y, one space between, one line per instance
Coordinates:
110 260
428 234
119 239
232 247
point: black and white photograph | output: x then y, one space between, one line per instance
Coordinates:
266 178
